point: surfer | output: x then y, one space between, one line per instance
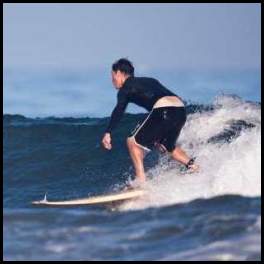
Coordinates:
160 129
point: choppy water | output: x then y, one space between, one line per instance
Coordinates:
211 215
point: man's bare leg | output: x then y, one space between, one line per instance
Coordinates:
179 155
137 156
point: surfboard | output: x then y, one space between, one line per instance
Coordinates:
102 199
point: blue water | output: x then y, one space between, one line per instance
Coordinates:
212 229
186 217
51 145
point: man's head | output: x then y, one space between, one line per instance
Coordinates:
121 70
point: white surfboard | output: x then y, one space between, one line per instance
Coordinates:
102 199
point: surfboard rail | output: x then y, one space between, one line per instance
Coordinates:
126 195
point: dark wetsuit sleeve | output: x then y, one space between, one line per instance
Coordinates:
118 111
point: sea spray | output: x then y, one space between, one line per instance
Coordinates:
228 164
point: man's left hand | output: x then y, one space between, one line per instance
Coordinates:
106 141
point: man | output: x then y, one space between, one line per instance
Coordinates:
162 126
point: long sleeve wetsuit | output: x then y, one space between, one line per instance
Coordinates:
142 91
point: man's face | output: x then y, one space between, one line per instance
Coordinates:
117 79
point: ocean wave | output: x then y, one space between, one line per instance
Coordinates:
64 157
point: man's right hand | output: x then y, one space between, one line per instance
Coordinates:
106 141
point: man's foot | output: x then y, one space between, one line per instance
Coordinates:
133 185
191 166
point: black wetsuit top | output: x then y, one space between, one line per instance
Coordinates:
142 91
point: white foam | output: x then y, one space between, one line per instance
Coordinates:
226 168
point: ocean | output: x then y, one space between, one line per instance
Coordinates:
214 214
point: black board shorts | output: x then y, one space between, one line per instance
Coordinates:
162 126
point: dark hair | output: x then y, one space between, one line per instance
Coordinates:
123 65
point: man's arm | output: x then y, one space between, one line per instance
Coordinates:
116 116
118 111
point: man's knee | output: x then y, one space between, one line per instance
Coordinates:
130 142
132 145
